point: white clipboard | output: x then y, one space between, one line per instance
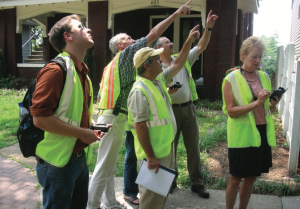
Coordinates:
159 182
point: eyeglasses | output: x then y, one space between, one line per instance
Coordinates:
82 26
156 57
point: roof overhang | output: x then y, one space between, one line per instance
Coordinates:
248 6
119 6
14 3
41 9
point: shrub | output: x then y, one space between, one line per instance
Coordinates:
206 103
11 82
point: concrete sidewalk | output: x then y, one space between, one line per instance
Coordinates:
18 190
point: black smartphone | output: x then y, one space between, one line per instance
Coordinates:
176 85
278 92
100 127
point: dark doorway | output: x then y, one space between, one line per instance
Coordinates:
186 24
168 33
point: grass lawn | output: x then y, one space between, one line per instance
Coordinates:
9 120
212 128
208 121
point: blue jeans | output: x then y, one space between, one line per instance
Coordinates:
65 187
130 172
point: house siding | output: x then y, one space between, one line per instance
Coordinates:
295 27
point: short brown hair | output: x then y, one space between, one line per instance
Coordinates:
56 36
249 43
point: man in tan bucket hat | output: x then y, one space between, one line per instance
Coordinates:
150 114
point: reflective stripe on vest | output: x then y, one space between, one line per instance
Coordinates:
242 131
57 149
68 93
110 84
236 91
194 95
156 121
161 136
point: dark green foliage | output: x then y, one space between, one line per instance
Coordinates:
269 58
206 103
2 65
90 62
36 41
11 82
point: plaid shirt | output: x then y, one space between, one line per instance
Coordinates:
127 70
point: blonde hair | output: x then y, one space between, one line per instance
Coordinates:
249 43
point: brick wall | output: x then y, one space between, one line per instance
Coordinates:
46 49
28 73
10 42
97 19
2 30
219 55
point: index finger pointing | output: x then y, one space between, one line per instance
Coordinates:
195 28
187 3
209 14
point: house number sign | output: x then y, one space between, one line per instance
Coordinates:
155 2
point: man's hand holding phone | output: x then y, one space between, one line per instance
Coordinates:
101 129
173 89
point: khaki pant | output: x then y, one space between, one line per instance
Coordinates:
186 120
152 200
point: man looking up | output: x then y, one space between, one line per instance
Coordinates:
151 118
64 111
118 78
183 107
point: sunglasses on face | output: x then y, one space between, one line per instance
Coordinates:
82 26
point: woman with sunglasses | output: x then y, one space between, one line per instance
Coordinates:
250 128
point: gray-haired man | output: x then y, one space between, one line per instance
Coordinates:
183 106
117 81
149 103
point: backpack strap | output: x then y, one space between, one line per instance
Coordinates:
61 63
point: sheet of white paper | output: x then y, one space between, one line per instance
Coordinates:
157 182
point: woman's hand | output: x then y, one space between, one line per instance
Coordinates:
273 103
263 95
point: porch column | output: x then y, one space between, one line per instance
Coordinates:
10 42
97 22
219 55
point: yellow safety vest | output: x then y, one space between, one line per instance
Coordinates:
159 124
194 95
57 149
242 131
110 84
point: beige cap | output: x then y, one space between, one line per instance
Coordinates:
143 54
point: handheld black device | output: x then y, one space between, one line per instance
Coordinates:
100 127
278 92
176 85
